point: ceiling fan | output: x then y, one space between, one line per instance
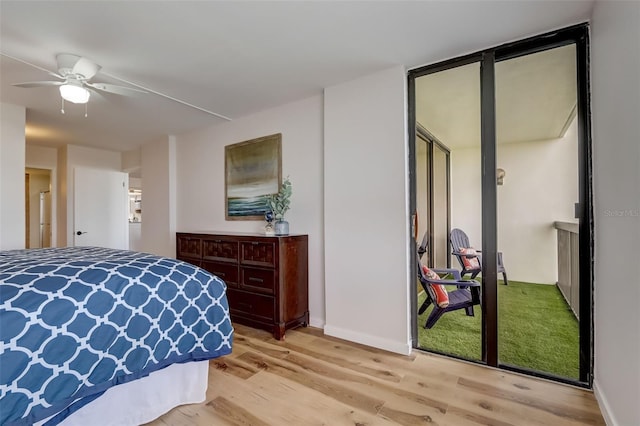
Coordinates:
74 75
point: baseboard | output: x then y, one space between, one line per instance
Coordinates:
316 322
369 340
605 409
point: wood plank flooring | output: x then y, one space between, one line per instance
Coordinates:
312 379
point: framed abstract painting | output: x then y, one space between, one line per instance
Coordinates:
253 171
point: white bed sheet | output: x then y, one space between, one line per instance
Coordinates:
145 399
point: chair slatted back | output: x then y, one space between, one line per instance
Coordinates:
459 239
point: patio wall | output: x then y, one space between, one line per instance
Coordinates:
540 187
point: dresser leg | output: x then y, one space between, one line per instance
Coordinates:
278 331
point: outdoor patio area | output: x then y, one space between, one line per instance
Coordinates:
537 330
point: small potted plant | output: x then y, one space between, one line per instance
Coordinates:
279 205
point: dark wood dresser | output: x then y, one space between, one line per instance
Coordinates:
267 277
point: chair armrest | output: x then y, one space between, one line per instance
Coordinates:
459 253
447 271
458 283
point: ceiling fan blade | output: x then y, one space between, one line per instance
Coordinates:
85 68
113 88
39 84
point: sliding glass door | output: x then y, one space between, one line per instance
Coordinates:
537 228
514 124
448 132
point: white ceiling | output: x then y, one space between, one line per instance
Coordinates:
235 58
535 99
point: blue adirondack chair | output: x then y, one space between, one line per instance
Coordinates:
465 296
459 240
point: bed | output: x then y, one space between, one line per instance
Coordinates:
92 335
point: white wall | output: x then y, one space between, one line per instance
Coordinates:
366 211
540 187
159 206
615 71
135 237
12 153
200 180
135 183
61 199
79 156
466 195
41 157
131 160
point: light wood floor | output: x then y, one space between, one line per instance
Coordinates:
312 379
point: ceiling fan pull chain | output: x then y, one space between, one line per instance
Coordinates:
62 108
86 108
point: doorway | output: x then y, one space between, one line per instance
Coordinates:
100 208
38 209
515 120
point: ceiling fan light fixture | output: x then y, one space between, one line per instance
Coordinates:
74 92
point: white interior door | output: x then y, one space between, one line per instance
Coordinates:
101 208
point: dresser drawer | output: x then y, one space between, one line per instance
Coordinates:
258 253
228 272
189 247
255 305
220 249
266 276
255 279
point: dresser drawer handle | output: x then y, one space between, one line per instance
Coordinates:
220 274
217 241
255 243
258 280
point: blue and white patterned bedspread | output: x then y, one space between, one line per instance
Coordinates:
75 321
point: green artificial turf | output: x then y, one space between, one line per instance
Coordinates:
536 330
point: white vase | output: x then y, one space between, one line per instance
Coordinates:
268 229
282 227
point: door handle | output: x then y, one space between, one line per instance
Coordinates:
80 232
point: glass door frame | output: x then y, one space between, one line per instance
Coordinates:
578 35
432 144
